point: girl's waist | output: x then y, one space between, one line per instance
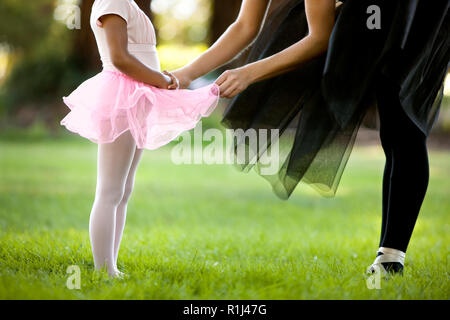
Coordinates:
145 53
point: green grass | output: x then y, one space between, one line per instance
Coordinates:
208 232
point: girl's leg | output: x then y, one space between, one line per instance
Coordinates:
113 165
121 212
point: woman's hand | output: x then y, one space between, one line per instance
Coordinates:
183 77
232 82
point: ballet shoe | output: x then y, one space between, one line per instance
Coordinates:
388 261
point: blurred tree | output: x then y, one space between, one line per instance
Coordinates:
23 24
35 63
84 48
182 22
224 14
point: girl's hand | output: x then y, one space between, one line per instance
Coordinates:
183 79
173 82
233 82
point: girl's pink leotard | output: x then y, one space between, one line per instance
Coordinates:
110 103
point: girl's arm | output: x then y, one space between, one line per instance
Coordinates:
320 15
117 38
236 38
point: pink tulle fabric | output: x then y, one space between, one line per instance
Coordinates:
110 103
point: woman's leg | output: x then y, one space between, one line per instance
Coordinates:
113 165
407 169
385 133
121 212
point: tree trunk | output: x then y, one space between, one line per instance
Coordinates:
224 14
85 49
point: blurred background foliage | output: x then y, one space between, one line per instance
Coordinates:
42 57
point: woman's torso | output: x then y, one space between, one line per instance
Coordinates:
141 35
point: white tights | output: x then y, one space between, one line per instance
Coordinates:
116 167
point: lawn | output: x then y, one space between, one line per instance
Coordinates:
209 231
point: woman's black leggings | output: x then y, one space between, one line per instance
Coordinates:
406 172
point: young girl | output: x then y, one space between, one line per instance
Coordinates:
127 108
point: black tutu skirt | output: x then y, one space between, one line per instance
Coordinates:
319 107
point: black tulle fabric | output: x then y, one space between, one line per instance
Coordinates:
319 107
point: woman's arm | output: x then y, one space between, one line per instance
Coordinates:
236 38
117 38
320 15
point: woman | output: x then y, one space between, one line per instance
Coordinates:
314 76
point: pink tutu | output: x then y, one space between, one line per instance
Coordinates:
108 104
